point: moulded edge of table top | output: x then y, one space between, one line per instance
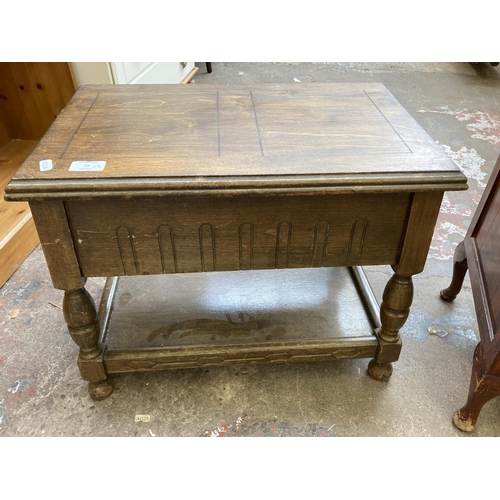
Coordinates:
427 168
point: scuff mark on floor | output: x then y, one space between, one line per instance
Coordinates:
24 292
416 325
456 325
22 388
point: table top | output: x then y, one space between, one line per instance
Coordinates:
112 140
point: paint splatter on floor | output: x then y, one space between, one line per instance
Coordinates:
469 161
246 426
486 126
447 207
442 245
455 216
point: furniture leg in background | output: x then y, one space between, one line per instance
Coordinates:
480 254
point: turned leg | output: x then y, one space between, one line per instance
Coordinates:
459 271
394 311
483 387
81 317
398 294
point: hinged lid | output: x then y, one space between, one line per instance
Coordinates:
119 140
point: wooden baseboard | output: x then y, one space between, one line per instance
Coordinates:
16 246
18 236
190 75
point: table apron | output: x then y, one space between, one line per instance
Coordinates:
188 234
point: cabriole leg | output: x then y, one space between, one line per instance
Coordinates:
459 270
483 387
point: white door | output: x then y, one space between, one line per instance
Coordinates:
150 72
130 72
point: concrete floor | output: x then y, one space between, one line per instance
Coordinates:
41 393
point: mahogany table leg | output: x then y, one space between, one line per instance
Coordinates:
394 311
483 387
81 317
459 270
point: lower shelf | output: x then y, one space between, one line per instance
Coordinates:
245 317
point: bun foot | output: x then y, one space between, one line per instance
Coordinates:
464 424
380 371
101 390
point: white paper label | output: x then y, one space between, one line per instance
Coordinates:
45 165
87 166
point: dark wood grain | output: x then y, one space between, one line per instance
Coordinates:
488 248
459 271
55 236
422 219
236 178
231 318
480 254
189 234
220 138
152 360
486 283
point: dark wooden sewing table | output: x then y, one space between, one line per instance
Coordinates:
232 222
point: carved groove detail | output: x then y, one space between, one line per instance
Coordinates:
320 242
169 259
166 243
358 233
207 240
127 251
204 361
283 242
246 245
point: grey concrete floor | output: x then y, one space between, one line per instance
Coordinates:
41 393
